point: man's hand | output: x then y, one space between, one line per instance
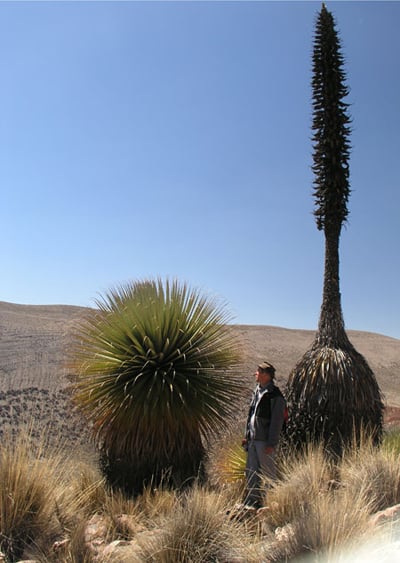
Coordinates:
269 450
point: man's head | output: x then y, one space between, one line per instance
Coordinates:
265 373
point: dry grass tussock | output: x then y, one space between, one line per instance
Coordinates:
326 525
322 508
28 478
200 529
315 509
304 478
375 474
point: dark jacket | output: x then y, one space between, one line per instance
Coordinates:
269 413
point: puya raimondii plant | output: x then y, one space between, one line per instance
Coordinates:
157 376
332 393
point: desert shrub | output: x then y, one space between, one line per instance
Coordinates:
200 530
27 496
374 474
326 525
303 479
321 507
153 505
86 495
83 490
157 374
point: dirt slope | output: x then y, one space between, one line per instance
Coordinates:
33 376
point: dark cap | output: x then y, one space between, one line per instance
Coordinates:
267 367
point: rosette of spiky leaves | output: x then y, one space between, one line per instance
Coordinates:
157 375
231 464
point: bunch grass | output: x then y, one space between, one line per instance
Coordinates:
319 509
374 473
28 479
200 530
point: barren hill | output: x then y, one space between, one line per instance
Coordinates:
33 376
33 339
285 347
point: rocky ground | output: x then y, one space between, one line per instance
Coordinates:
46 415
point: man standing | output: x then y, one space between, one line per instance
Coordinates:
264 424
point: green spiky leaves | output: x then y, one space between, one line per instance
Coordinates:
157 368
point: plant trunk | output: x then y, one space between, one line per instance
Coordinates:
331 331
179 468
332 393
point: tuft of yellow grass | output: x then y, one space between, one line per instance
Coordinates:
330 523
198 530
314 510
374 474
27 503
305 477
317 509
81 492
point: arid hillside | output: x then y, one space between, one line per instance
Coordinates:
34 376
284 347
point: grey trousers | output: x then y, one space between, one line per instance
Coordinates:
259 464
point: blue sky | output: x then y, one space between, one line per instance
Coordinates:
144 139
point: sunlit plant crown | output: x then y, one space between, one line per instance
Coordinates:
156 360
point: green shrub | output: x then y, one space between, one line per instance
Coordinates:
391 440
158 374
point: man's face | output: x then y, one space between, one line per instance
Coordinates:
263 377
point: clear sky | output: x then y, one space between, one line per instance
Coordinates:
145 139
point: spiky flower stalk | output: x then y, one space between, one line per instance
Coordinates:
157 375
331 156
332 393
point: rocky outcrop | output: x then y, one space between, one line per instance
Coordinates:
390 515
